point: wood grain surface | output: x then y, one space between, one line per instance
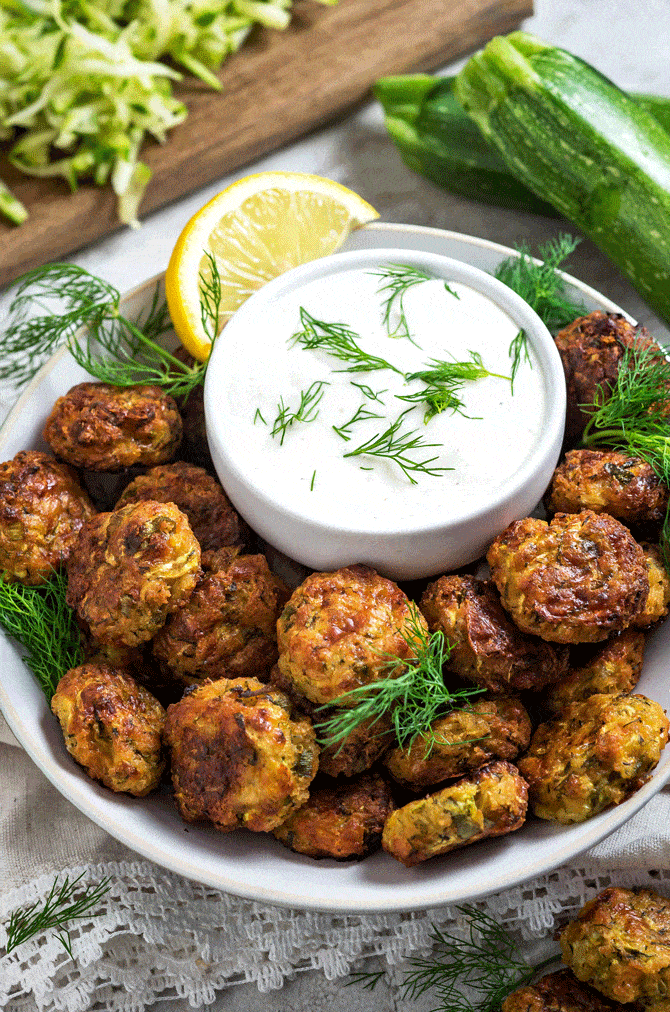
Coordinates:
279 86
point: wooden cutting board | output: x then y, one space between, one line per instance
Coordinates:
279 86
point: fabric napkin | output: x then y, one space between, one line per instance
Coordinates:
156 935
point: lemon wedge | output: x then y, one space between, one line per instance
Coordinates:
255 230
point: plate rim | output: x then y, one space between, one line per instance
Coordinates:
78 791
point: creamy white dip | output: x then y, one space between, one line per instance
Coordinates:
309 473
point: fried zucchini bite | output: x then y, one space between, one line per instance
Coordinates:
491 727
228 625
211 516
112 726
486 647
591 350
343 822
612 667
240 756
42 509
491 802
619 945
608 481
107 428
574 580
595 753
130 569
558 992
339 629
658 599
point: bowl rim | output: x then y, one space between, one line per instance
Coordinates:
221 438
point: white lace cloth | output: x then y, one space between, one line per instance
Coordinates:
155 935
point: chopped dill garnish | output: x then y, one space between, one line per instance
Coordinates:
367 391
340 341
114 349
413 692
539 284
64 903
311 484
518 352
443 380
259 415
399 279
307 410
394 445
40 620
634 416
362 414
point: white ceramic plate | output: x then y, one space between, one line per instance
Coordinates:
255 865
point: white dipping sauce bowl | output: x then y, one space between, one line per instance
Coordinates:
435 544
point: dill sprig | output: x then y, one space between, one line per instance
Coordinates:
412 691
339 341
634 416
518 352
362 414
307 410
210 297
443 381
488 961
367 391
394 445
539 284
399 279
113 349
40 620
65 902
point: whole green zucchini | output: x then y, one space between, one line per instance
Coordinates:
579 142
437 139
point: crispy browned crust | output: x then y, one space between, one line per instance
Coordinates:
658 599
611 668
112 726
212 518
228 626
558 992
492 727
338 630
608 481
130 569
42 509
239 756
490 802
107 428
344 822
595 753
194 447
486 646
575 580
619 945
591 349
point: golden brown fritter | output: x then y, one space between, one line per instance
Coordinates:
194 446
130 569
608 481
228 625
486 647
558 992
239 755
491 727
343 822
575 580
339 629
112 726
210 514
42 509
107 428
658 599
591 349
491 802
619 945
595 753
612 667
